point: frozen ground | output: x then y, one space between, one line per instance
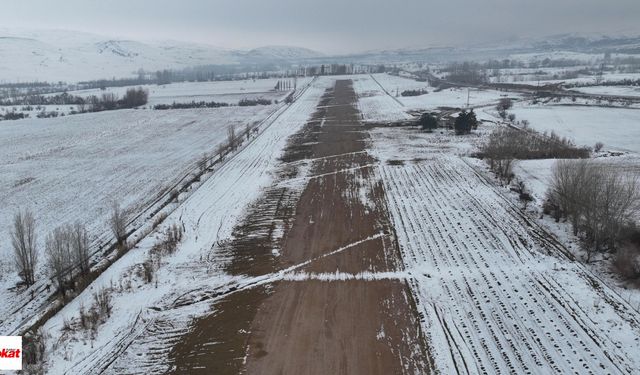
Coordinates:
148 318
497 293
617 128
611 90
71 168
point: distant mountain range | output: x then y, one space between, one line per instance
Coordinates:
57 55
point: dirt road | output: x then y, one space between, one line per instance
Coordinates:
333 316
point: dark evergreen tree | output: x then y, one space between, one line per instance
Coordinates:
428 122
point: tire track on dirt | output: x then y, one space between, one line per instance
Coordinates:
361 320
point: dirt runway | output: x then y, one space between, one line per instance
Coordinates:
333 318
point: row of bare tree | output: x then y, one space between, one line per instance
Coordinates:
66 247
599 201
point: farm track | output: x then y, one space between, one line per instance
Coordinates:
328 312
485 281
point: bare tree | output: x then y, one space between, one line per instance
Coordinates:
23 239
80 247
118 223
231 137
569 184
221 151
203 162
60 259
599 201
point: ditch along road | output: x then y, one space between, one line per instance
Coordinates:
341 310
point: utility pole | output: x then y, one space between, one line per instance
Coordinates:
468 95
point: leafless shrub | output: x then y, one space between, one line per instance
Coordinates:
66 325
628 261
598 147
23 239
34 345
169 242
524 196
148 269
102 302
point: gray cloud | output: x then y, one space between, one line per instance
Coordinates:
328 25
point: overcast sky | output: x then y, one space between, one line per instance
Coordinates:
330 26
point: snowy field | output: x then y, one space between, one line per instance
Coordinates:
453 97
497 294
611 90
71 168
376 104
221 91
617 128
230 92
153 316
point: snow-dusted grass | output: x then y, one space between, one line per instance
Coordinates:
495 293
617 128
71 168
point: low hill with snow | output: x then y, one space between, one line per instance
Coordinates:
56 55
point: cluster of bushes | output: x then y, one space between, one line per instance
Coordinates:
506 144
47 114
526 143
167 246
253 102
13 116
36 99
414 92
134 97
503 106
600 202
109 101
97 314
193 104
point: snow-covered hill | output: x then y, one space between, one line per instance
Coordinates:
283 53
53 55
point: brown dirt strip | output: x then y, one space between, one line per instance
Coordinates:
312 326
